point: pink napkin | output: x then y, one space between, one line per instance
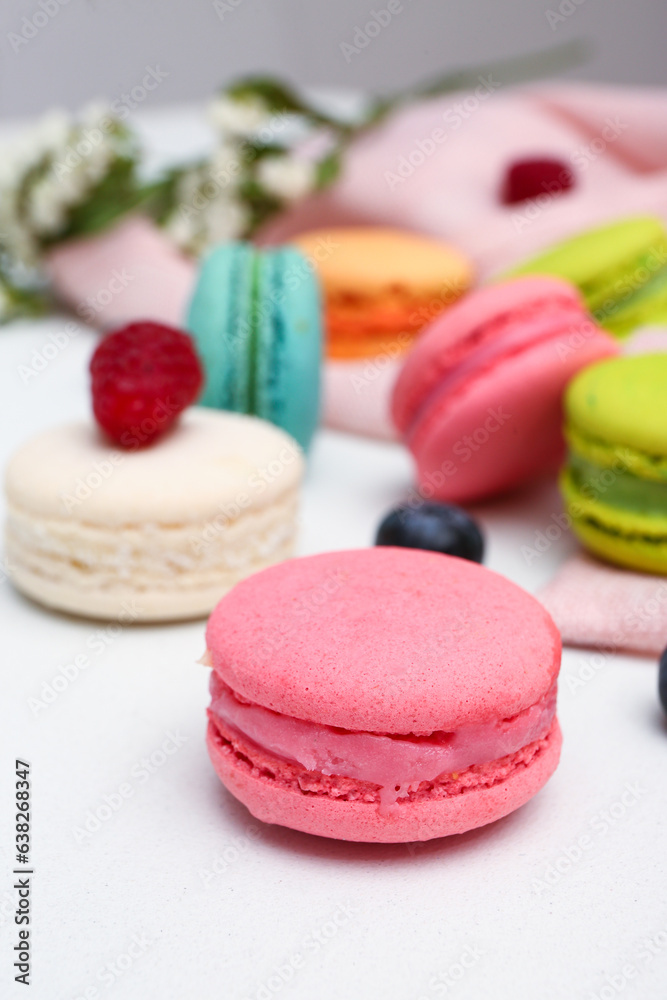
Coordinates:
595 604
130 272
438 167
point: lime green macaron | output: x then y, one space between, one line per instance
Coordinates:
615 479
620 269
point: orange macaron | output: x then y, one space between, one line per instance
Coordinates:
382 285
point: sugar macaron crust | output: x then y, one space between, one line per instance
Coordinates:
380 287
157 533
331 713
255 316
615 479
620 269
478 400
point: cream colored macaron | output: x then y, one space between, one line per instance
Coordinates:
159 533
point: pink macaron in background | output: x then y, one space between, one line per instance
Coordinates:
478 400
332 714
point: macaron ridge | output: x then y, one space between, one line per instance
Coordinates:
337 718
615 479
165 530
256 320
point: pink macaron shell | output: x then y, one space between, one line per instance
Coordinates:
384 640
502 427
274 801
452 335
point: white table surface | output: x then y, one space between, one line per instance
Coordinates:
179 894
216 903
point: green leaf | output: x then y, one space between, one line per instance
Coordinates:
276 95
280 97
260 202
260 151
328 169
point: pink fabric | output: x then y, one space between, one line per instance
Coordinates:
357 396
130 272
597 604
614 140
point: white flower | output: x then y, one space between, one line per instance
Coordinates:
237 116
72 183
19 240
53 130
188 185
92 114
97 162
182 228
46 208
202 220
286 176
226 219
23 153
226 165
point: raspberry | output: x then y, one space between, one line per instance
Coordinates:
529 178
142 377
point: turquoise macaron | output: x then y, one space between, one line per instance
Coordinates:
256 317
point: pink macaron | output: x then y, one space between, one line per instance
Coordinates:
382 694
478 400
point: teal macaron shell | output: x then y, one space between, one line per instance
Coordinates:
222 299
255 316
288 343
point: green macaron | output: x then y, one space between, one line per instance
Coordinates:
620 269
255 316
615 479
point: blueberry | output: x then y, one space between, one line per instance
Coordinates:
662 680
438 527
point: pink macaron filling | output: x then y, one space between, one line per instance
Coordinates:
396 763
500 337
